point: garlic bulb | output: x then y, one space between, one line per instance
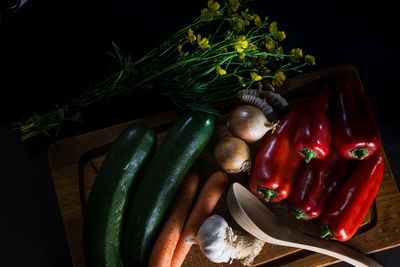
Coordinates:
219 243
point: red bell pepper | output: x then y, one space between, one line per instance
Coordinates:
313 137
351 202
277 164
356 134
316 184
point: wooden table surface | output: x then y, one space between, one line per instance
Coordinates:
75 162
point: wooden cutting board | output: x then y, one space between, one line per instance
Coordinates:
75 162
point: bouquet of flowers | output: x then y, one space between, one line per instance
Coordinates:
226 49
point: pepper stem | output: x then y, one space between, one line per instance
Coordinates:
299 213
326 231
308 154
359 152
267 193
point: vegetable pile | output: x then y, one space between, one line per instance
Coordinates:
144 208
337 137
324 159
139 212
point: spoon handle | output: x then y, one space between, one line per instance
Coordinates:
330 248
254 217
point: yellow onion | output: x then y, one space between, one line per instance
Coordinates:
233 155
249 123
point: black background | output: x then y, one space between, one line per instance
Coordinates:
52 50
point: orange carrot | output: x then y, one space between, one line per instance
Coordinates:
208 198
164 247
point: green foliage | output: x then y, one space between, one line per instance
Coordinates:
224 50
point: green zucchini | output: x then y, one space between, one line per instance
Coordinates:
107 201
180 148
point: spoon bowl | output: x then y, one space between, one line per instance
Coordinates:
254 217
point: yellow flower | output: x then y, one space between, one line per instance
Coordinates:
213 5
242 83
239 21
279 50
240 24
220 70
310 60
191 36
279 79
246 17
181 53
204 13
297 55
261 67
224 50
242 55
236 16
241 44
211 10
265 71
253 47
257 20
255 76
270 45
233 5
203 42
273 27
280 36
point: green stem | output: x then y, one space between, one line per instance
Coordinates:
194 24
299 213
359 152
296 67
326 231
308 154
267 193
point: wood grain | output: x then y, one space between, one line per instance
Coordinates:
74 163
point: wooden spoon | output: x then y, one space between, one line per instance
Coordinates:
254 217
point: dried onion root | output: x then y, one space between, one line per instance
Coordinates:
272 98
257 85
259 103
266 84
276 100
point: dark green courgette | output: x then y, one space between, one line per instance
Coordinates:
182 145
107 201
